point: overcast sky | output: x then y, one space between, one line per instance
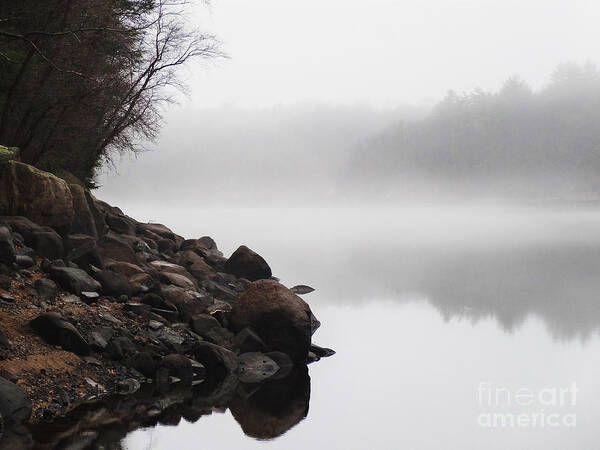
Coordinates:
386 52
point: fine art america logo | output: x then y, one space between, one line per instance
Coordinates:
548 407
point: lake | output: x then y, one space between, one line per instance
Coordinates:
455 326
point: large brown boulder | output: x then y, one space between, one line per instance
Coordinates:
245 263
83 220
280 318
37 195
116 248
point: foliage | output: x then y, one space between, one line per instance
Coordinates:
516 139
82 79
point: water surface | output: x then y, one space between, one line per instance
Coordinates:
431 310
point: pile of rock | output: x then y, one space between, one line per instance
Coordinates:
136 298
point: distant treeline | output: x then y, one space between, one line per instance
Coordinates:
515 141
80 79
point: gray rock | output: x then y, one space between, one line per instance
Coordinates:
255 367
137 308
302 289
210 329
24 261
178 366
113 283
57 331
90 297
47 243
218 360
321 352
218 290
97 341
75 281
120 348
46 289
15 406
143 363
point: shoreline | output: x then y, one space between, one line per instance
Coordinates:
94 304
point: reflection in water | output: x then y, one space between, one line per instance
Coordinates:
402 377
560 285
556 283
264 411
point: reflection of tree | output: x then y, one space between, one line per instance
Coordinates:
558 284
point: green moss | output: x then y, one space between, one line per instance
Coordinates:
8 153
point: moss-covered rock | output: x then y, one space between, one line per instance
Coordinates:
37 195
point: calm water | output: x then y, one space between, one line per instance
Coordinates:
449 323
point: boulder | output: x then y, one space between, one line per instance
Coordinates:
37 195
97 213
203 244
23 226
210 329
277 315
179 280
73 241
178 366
56 331
218 360
83 219
195 264
186 303
47 243
84 252
46 289
157 229
143 363
15 406
125 268
120 224
24 261
116 248
73 280
245 263
156 301
7 246
114 284
166 246
120 348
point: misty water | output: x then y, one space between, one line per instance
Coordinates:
433 311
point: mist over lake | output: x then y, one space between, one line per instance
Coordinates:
299 225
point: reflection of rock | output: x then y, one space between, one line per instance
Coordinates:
275 407
267 411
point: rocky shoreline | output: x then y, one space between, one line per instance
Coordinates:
99 309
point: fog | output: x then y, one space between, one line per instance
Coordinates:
515 143
349 101
432 169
